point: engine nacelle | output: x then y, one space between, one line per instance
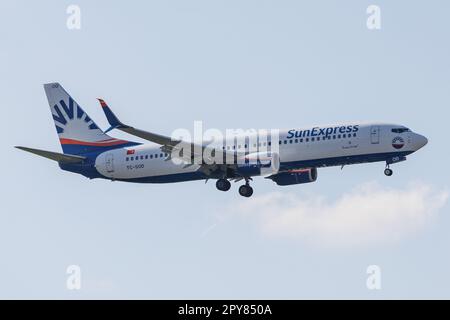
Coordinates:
295 177
259 164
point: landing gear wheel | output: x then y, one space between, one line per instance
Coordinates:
223 185
245 191
388 172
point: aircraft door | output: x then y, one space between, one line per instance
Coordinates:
109 163
375 134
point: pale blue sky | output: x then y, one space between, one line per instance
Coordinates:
233 64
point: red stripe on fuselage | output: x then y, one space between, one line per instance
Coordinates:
104 143
298 170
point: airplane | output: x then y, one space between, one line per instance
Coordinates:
293 158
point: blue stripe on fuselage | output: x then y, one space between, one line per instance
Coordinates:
77 149
335 161
87 169
170 178
345 160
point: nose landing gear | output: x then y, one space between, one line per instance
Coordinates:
388 172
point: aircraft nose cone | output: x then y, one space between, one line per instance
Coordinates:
421 141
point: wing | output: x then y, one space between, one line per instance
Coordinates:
202 155
115 123
168 144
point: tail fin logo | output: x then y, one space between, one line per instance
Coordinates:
77 132
70 112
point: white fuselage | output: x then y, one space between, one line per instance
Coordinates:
298 148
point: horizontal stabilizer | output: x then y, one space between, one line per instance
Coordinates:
62 158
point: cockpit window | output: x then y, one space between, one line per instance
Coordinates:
400 130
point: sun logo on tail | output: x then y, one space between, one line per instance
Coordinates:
72 113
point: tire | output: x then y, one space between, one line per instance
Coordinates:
223 185
388 172
245 191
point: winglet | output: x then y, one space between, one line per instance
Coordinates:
112 118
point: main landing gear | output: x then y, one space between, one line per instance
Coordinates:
388 172
244 190
223 185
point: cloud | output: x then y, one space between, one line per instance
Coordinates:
370 214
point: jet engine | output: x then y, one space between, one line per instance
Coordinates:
290 177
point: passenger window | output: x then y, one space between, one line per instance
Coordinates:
301 140
318 138
142 157
285 141
312 139
132 158
156 156
344 136
161 155
151 156
290 141
339 136
270 143
126 159
307 139
334 137
296 140
354 134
